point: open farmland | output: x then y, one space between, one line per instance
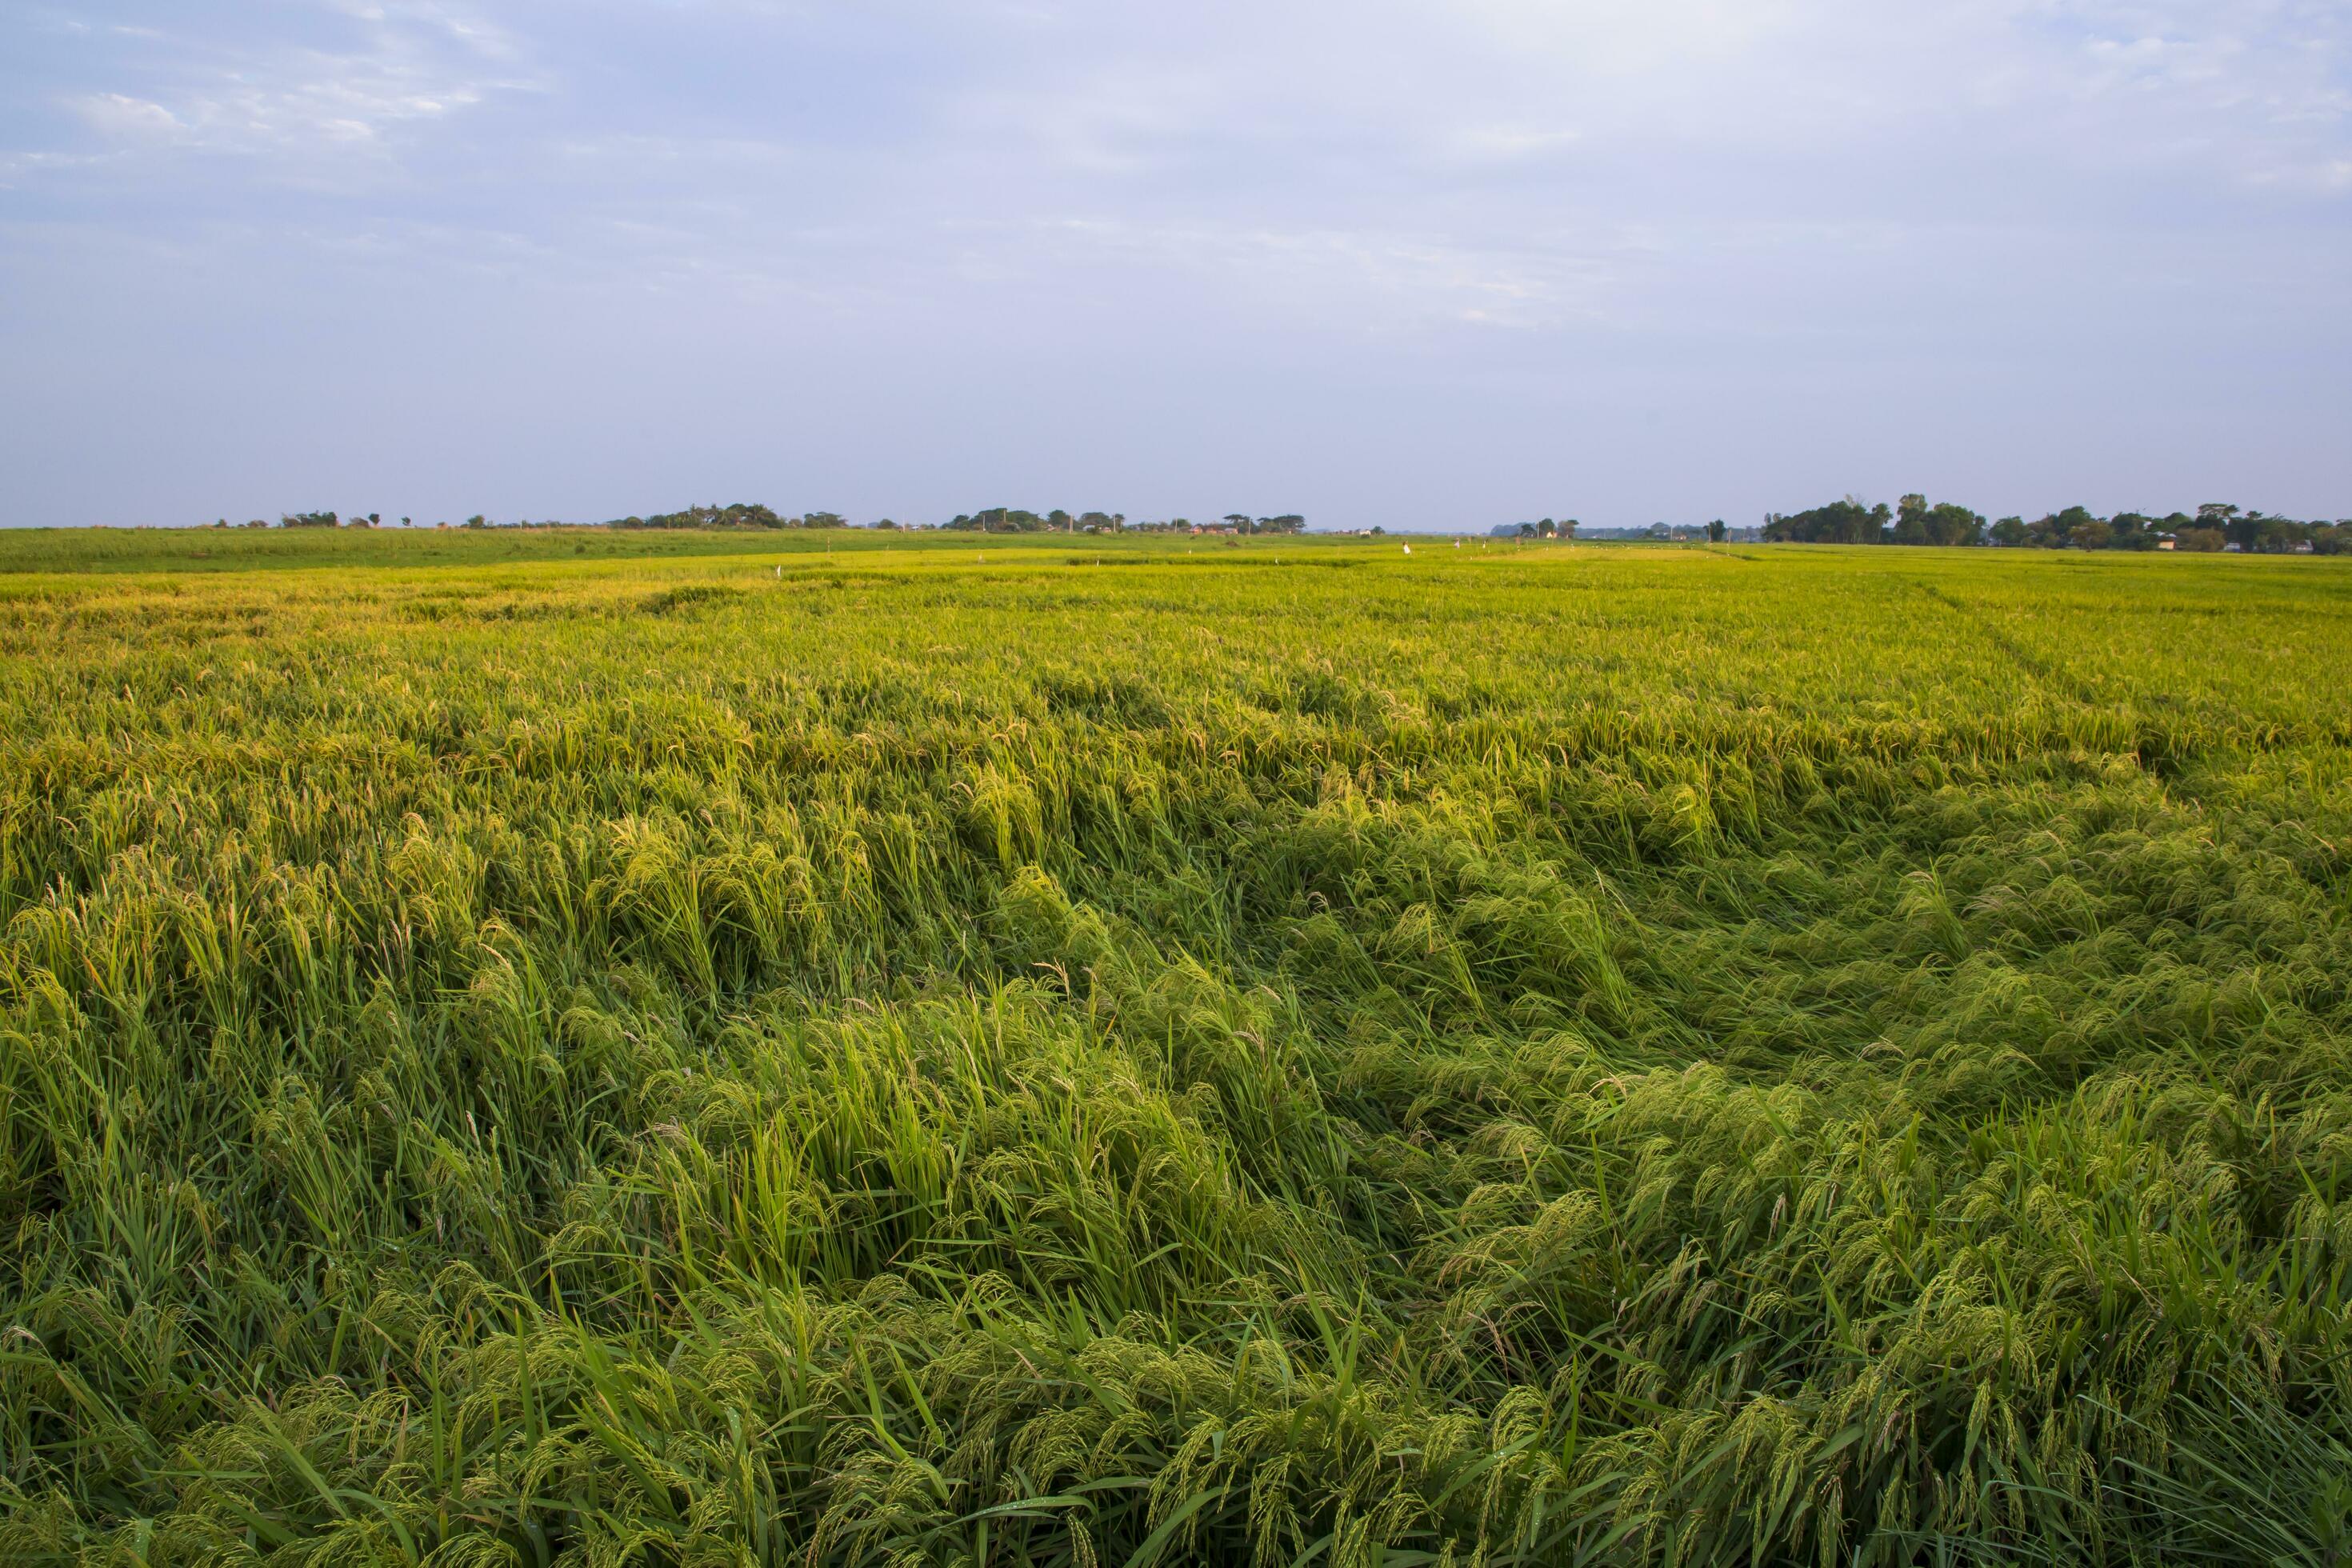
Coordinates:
1114 1052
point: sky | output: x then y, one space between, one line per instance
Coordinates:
1391 262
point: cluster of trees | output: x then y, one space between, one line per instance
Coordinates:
1231 522
741 515
1015 519
2217 525
321 519
1546 528
1288 522
1849 521
1715 532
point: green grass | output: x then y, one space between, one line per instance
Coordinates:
49 550
948 1052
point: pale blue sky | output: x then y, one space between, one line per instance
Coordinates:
1423 265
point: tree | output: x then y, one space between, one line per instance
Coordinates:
1238 522
2053 531
2279 535
1846 521
2238 527
1948 524
2090 534
1567 529
1716 532
2010 532
1911 520
740 514
1000 520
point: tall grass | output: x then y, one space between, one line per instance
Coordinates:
1271 1053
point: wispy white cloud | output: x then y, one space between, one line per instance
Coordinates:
396 67
116 115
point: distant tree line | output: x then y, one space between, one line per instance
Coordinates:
318 519
1715 532
987 520
1016 519
2216 525
741 515
1019 520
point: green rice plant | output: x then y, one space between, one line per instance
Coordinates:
535 1047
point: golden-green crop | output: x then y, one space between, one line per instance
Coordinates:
1114 1052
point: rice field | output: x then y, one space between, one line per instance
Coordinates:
1125 1052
